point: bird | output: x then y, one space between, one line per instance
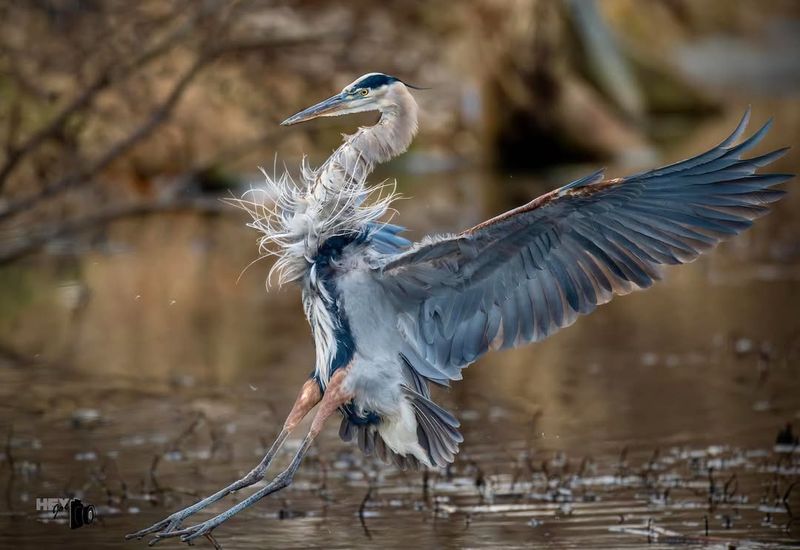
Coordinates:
391 318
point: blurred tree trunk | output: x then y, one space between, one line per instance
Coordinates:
558 88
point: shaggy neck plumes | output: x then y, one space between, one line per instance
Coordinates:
297 219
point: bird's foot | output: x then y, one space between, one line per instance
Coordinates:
188 534
164 527
171 523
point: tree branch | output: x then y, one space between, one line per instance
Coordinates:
110 75
157 117
33 242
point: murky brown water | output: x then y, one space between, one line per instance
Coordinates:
156 378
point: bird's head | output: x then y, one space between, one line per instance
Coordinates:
371 92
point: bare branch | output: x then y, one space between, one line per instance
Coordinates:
110 75
35 241
16 154
157 117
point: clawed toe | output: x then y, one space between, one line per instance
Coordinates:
169 528
199 533
186 535
160 526
164 528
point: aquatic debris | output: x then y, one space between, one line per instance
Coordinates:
86 456
743 345
86 418
786 438
762 405
654 533
173 456
182 380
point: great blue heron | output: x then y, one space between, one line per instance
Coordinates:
390 317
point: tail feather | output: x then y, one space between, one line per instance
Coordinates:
436 429
437 435
370 442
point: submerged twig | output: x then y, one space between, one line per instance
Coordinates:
361 510
212 540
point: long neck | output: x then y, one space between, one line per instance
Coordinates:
372 145
335 203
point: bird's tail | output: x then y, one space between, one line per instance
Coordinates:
437 429
434 444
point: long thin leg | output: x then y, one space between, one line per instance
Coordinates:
334 397
309 396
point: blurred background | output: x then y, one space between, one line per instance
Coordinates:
143 363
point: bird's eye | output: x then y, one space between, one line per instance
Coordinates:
363 91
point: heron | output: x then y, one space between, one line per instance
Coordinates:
391 318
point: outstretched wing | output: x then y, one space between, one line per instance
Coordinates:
523 275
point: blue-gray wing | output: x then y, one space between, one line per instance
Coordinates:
525 274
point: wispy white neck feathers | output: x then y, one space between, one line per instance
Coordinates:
296 219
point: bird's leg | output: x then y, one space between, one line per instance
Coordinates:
335 396
309 396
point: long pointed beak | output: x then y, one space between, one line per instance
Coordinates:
329 107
